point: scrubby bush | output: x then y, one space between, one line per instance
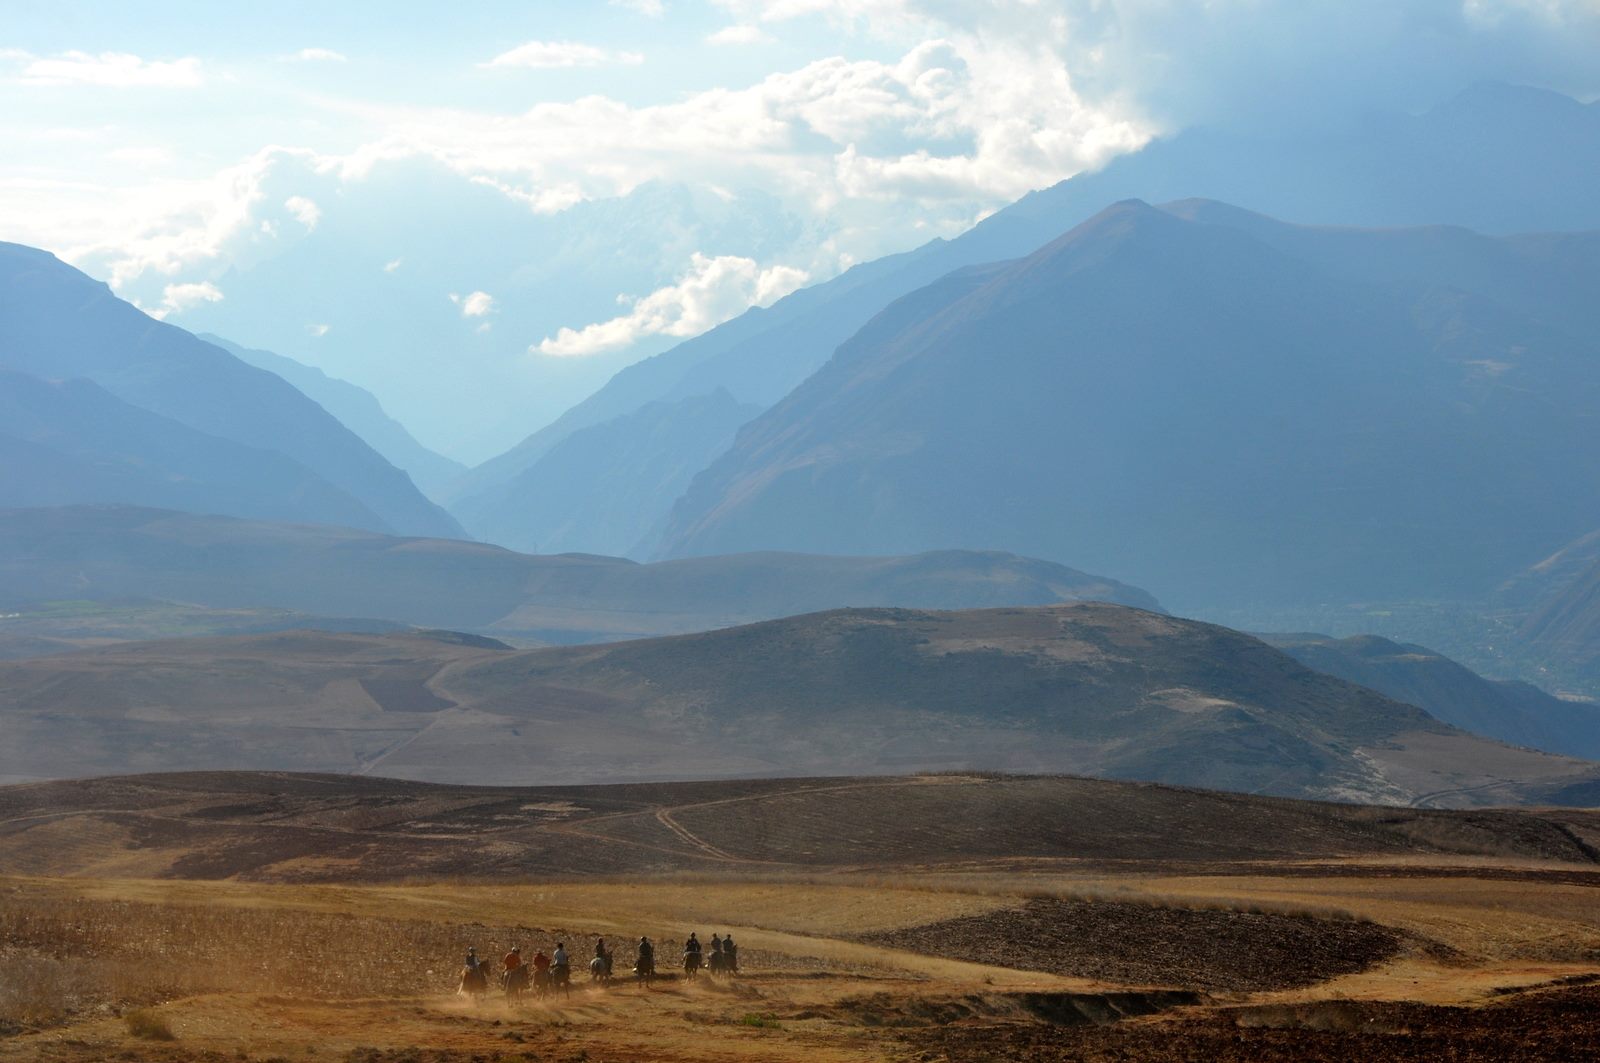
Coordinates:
142 1022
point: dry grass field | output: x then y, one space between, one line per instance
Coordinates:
1283 930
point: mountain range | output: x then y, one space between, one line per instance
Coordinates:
130 409
1203 400
1089 688
1448 165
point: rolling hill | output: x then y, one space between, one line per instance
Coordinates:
1089 688
273 826
1445 166
111 553
57 324
1231 409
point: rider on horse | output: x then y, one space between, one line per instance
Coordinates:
730 954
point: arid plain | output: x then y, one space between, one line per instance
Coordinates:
942 917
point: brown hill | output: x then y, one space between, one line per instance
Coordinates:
1090 688
286 826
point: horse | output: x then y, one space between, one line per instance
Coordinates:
515 983
691 965
721 963
600 970
644 971
474 983
541 982
561 978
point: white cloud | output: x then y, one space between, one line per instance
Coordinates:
713 290
557 54
474 304
316 55
176 298
305 211
740 35
392 265
107 69
318 331
650 8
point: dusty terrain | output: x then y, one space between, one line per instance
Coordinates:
968 919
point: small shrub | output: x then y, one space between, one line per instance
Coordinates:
142 1022
761 1022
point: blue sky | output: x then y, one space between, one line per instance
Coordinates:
205 159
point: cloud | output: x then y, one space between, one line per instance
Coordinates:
176 298
305 211
475 304
711 292
649 8
317 331
392 265
740 35
316 55
540 55
108 70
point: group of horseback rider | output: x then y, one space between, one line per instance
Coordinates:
724 957
556 969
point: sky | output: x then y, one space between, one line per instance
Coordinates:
229 166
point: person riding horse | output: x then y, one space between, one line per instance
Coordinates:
730 954
560 966
603 954
515 976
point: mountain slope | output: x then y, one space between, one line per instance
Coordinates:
1088 688
55 322
74 442
602 489
358 410
1514 712
1562 631
1445 166
1184 404
113 552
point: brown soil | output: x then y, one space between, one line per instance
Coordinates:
1558 1025
1136 944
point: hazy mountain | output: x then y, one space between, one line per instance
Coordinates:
74 442
1189 405
114 552
1089 688
387 260
1499 158
57 323
1514 712
604 488
358 410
